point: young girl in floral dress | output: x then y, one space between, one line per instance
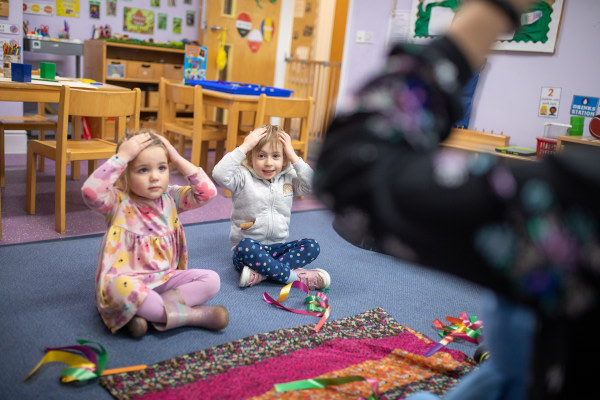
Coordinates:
142 272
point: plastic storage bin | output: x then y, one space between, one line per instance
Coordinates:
240 88
545 146
552 130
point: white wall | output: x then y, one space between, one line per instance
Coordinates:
508 94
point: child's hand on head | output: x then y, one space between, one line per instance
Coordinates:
131 147
288 149
252 139
171 151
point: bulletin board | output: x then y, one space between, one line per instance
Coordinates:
538 32
3 8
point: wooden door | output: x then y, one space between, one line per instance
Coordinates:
251 40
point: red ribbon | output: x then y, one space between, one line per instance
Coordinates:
318 305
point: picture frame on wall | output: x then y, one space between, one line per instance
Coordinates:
538 32
3 8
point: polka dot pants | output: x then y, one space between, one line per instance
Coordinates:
275 261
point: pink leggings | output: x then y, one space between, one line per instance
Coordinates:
196 285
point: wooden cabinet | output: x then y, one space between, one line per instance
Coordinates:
131 65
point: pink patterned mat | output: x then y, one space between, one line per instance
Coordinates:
371 344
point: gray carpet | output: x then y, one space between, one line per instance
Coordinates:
47 300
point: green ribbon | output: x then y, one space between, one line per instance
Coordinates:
322 383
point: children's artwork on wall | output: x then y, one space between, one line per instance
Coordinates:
538 31
67 8
549 102
3 8
254 40
177 25
268 29
111 8
155 3
45 8
162 21
190 17
138 21
95 9
243 24
10 29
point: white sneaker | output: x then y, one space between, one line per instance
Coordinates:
314 278
250 278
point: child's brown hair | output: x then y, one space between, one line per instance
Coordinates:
271 137
123 181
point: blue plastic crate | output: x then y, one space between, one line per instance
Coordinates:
240 88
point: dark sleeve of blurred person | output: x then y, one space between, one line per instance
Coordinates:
528 230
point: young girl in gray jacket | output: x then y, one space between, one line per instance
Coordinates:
264 174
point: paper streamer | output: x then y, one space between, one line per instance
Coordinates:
465 328
90 365
317 305
80 368
322 383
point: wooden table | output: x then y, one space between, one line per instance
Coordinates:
572 142
39 91
234 104
481 142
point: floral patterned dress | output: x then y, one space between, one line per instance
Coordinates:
144 244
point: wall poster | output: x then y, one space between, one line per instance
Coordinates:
138 21
538 31
67 8
3 8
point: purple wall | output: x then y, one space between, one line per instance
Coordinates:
15 13
81 28
508 94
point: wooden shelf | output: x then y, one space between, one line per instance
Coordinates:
97 54
132 80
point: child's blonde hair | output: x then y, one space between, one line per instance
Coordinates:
271 137
123 181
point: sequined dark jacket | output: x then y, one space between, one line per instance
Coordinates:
527 230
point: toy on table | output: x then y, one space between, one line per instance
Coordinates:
12 55
44 30
64 33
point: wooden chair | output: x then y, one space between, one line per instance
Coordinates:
122 105
38 122
291 110
173 97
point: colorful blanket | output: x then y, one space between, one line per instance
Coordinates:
371 344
